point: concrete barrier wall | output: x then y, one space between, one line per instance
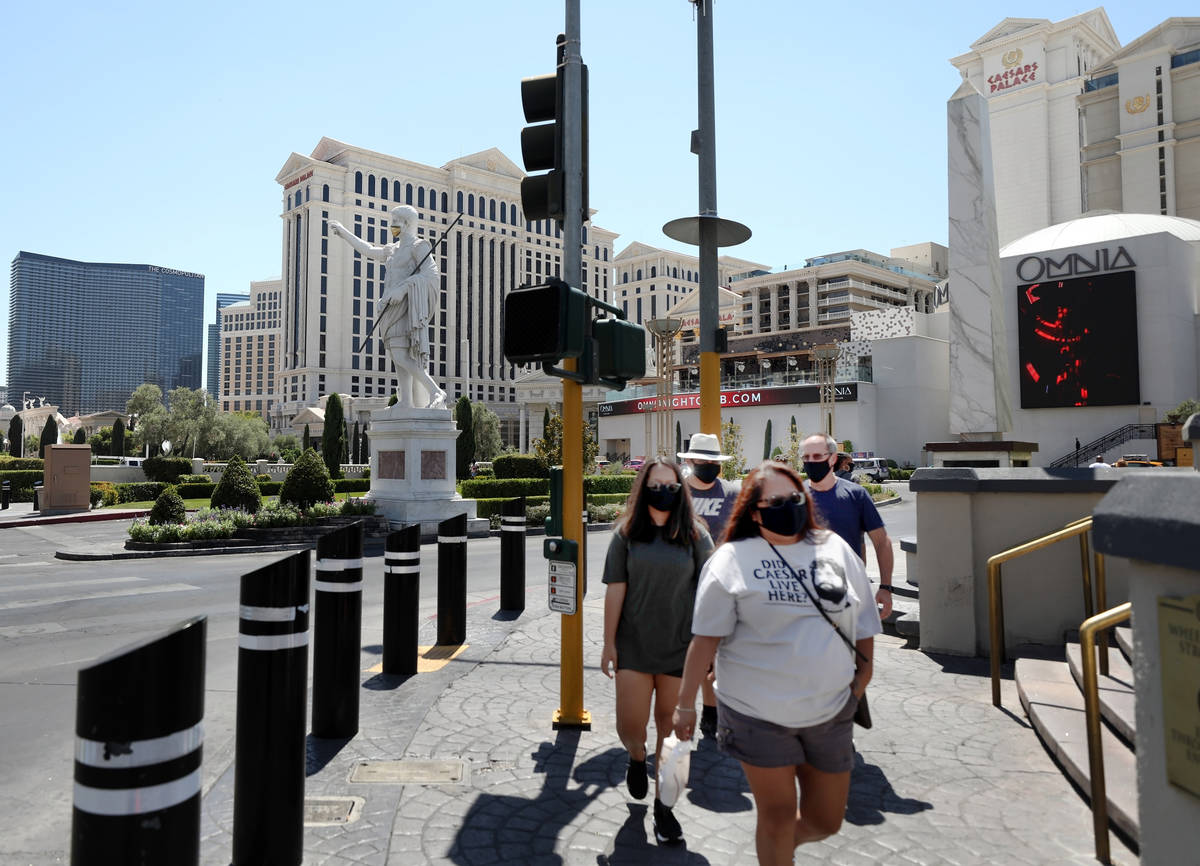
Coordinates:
965 516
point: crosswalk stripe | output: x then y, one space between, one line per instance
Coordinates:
86 596
58 584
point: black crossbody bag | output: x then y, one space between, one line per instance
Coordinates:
862 713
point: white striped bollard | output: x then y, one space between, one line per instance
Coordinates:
512 555
138 746
401 599
452 581
269 763
337 632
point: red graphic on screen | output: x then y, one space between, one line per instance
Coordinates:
1078 342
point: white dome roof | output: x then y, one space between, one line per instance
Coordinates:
7 410
1099 229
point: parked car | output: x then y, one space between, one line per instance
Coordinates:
634 463
874 469
1136 460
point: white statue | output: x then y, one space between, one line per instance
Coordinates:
407 303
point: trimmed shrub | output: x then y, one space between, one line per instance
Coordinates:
333 438
22 481
103 493
260 478
352 485
608 484
22 463
354 507
269 488
80 437
494 488
520 466
49 436
236 488
139 491
168 508
168 470
194 479
307 482
196 490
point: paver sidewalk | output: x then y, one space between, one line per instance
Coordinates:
943 777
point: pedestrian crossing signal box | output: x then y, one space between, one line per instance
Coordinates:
562 585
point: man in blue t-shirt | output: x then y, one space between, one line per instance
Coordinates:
847 509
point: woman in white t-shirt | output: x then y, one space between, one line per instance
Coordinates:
787 682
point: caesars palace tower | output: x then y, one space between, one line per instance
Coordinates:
330 292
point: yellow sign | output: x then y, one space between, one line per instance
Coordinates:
1012 58
1138 104
1179 661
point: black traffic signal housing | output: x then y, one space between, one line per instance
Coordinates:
620 351
544 323
543 145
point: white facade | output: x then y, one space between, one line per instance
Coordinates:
329 291
249 342
1031 71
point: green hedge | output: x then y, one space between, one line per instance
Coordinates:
351 485
270 488
140 491
166 469
497 488
489 507
196 490
22 464
520 466
21 481
608 484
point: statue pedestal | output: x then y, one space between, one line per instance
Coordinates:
412 469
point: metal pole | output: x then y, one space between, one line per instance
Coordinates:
401 599
337 634
452 581
710 360
570 711
268 780
512 555
138 747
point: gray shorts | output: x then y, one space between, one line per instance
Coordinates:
828 747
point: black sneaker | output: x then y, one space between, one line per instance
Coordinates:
708 721
666 828
635 779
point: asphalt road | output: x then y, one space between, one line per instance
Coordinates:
57 616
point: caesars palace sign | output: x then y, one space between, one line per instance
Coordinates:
847 392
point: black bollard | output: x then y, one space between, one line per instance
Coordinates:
268 781
5 493
401 592
512 554
37 495
452 581
337 632
138 746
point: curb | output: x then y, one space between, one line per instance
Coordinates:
80 517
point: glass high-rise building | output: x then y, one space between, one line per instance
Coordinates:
84 335
212 381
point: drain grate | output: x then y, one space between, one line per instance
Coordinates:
330 811
410 772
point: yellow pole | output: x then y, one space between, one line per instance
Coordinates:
710 393
571 713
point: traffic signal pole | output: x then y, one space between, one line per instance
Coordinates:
571 713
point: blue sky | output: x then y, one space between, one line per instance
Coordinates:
152 132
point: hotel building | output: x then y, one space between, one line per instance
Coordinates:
250 338
212 378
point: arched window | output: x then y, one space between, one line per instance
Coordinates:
585 235
639 275
383 190
653 270
395 190
370 184
445 208
471 204
460 198
408 193
420 196
325 193
503 211
492 209
358 182
432 199
625 277
675 273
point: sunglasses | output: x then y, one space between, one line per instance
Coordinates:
778 501
673 487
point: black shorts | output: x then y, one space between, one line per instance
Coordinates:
828 746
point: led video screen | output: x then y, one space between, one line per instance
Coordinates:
1077 340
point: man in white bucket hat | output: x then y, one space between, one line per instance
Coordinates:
712 501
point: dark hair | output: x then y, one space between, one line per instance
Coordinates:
636 523
741 522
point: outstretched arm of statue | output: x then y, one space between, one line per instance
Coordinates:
369 250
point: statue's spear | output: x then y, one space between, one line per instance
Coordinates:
432 247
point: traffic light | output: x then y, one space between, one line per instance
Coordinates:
543 146
544 323
620 350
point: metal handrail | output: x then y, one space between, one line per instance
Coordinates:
1091 704
996 648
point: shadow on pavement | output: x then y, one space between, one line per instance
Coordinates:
386 682
526 830
716 782
507 615
871 794
319 751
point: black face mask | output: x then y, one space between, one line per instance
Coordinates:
787 518
662 498
706 472
816 471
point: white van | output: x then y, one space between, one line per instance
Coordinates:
874 469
